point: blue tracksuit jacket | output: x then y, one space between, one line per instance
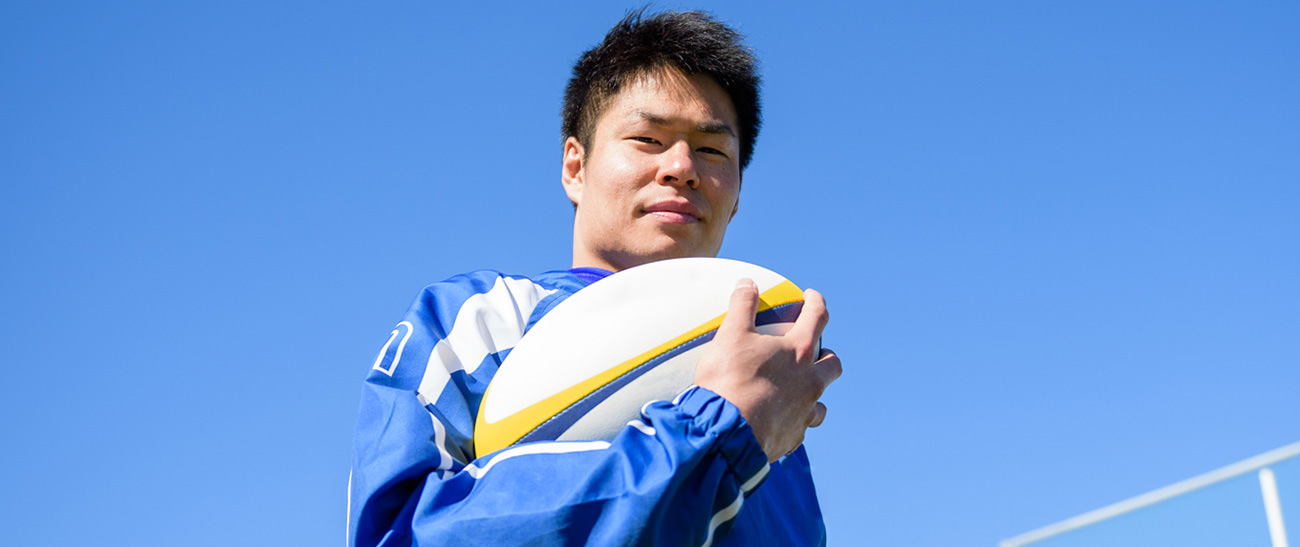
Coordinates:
693 474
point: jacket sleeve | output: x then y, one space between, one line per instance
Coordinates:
677 477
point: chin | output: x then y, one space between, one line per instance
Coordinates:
630 258
676 252
644 248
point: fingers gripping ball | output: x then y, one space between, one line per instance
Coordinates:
775 381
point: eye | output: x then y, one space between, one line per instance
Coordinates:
709 150
646 140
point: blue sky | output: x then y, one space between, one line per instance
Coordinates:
1060 242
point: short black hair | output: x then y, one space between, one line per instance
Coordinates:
692 42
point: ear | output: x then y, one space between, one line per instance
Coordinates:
571 171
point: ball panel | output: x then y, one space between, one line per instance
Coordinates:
509 429
640 308
550 385
604 412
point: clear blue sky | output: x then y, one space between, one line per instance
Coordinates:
1060 241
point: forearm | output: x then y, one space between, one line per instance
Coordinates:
676 479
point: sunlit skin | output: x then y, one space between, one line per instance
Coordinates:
662 180
775 381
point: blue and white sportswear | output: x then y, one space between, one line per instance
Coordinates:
689 473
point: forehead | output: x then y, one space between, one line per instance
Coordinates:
668 96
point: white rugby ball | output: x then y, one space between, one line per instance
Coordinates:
586 368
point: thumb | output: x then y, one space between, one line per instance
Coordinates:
742 308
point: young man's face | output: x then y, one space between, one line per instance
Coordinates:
662 177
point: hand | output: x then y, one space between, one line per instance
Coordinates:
775 381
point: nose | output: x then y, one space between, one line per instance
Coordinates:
678 166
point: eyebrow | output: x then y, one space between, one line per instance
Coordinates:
712 128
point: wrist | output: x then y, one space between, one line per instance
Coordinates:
734 439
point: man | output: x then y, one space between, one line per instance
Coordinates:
659 121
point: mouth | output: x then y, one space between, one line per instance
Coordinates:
674 212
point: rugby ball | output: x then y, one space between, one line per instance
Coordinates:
588 366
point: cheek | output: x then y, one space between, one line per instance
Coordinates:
633 173
621 176
724 199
